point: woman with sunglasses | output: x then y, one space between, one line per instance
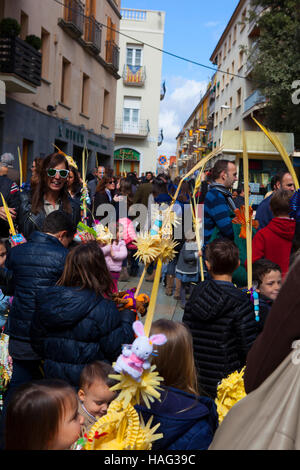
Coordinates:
74 184
105 194
49 194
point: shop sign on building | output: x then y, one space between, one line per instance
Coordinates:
127 155
70 134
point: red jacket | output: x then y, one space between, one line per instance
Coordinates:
274 242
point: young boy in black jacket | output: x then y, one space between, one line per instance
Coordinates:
221 318
267 282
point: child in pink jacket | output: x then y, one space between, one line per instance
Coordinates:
115 253
129 236
128 233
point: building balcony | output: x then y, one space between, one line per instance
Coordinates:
73 20
253 30
134 75
133 15
139 130
20 66
251 60
112 55
255 101
92 35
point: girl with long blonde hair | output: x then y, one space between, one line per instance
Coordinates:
179 347
187 420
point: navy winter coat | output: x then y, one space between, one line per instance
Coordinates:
264 214
187 422
36 264
72 328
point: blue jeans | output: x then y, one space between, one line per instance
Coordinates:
171 267
23 372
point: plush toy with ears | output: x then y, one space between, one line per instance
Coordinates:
135 358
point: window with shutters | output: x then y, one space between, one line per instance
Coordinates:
134 55
131 114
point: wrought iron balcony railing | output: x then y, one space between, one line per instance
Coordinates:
112 54
19 58
73 19
92 34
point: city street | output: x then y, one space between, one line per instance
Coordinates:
166 307
139 136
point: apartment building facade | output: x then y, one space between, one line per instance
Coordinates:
233 100
139 91
193 141
237 99
69 97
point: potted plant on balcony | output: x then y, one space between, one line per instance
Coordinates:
9 28
34 41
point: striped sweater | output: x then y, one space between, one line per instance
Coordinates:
217 214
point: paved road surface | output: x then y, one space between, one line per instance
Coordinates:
166 307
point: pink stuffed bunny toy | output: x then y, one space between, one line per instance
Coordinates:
135 358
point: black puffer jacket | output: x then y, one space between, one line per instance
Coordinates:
222 322
32 266
72 328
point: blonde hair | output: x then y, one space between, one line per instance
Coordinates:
175 359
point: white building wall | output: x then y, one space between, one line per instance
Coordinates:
146 27
227 92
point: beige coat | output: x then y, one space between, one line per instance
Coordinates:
269 417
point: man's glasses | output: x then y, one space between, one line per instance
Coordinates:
62 173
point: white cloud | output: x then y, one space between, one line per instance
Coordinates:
180 101
211 24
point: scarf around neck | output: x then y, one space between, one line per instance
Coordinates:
219 187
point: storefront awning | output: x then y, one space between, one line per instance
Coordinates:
258 145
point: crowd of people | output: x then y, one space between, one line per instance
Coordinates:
65 330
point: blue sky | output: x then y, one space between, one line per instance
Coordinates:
192 30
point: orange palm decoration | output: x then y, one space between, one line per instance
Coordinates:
240 218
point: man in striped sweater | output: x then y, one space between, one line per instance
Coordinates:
218 203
